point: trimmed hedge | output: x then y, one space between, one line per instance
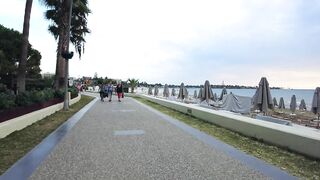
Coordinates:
8 100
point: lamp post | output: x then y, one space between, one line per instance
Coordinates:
67 55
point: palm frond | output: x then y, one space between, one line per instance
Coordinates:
78 30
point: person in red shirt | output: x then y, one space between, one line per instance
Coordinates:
119 91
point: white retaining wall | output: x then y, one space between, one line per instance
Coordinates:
23 121
299 139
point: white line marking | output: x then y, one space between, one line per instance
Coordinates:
128 132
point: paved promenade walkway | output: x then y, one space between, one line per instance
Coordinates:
128 140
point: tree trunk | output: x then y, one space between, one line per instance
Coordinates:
63 45
21 78
60 65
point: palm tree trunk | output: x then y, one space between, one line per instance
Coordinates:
60 66
62 46
21 79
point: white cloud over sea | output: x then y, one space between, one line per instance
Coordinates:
235 41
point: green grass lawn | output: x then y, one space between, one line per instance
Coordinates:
17 144
293 163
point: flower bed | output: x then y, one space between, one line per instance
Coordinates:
14 112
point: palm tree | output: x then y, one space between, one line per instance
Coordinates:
21 77
133 83
58 14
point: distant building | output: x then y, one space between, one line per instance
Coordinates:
47 75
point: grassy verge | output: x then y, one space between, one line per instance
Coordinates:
293 163
17 144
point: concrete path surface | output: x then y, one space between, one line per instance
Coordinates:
127 140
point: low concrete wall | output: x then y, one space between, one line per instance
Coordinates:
302 140
23 121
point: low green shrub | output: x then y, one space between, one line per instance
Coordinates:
31 97
59 94
48 94
37 96
23 99
3 88
6 100
9 100
74 92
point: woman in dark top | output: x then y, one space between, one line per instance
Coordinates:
119 91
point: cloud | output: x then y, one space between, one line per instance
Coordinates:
190 41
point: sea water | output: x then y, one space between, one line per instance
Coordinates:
306 94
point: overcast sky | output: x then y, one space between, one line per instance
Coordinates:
190 41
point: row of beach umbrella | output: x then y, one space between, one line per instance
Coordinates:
205 92
293 104
262 100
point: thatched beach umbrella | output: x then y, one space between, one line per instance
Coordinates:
215 96
195 95
275 103
156 90
166 91
254 97
223 92
281 104
200 93
263 100
183 93
150 90
207 92
302 105
173 92
293 103
315 108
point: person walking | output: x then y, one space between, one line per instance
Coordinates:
109 91
119 91
101 92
